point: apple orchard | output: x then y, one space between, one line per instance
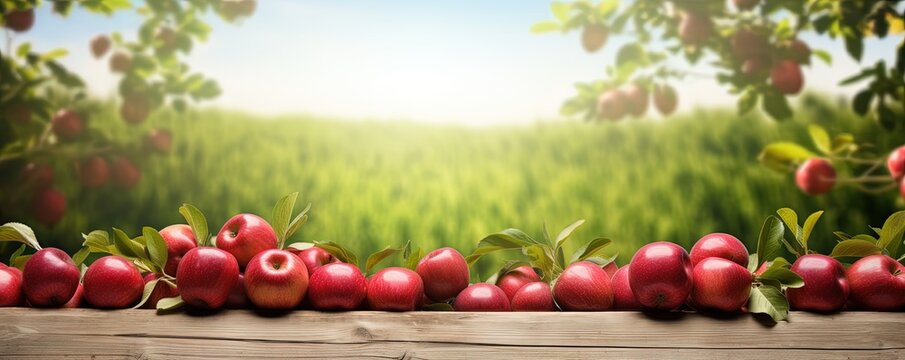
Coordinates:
252 262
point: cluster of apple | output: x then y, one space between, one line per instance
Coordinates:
817 175
633 99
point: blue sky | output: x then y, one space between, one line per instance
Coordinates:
471 62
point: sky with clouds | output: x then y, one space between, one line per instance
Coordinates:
470 61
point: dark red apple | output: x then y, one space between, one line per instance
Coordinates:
67 124
246 235
112 282
93 172
77 300
745 5
665 99
179 239
125 174
50 278
135 108
19 20
120 62
825 289
637 99
661 276
206 276
337 286
815 176
512 281
695 28
37 176
748 44
719 245
161 291
612 105
786 77
17 112
623 298
314 258
444 273
877 283
160 140
276 279
395 289
11 287
536 296
100 44
48 206
720 284
896 163
481 297
583 286
593 37
238 297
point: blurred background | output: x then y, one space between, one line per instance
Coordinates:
439 124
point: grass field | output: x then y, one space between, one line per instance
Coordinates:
379 183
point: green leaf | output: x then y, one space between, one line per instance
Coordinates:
784 276
747 101
338 251
783 156
197 221
18 232
23 49
769 300
790 218
776 105
891 233
769 242
823 56
379 256
561 10
17 253
843 142
842 235
820 138
98 241
545 27
565 233
19 261
753 262
542 259
146 293
438 307
156 248
505 269
411 260
854 44
601 261
301 245
79 257
282 214
54 54
855 248
861 101
503 240
590 249
170 304
808 228
297 223
779 262
126 246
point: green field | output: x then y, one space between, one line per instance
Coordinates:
379 183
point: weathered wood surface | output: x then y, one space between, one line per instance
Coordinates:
83 333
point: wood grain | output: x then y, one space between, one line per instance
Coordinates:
37 333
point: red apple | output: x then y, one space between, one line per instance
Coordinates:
896 163
720 284
337 286
37 176
19 20
877 283
48 206
77 300
17 112
623 298
695 28
276 279
719 245
593 37
314 258
815 176
444 273
661 276
125 174
161 291
50 278
67 124
825 289
160 140
748 44
167 39
481 297
636 98
512 281
246 235
93 172
135 108
800 51
206 276
112 282
665 99
100 44
238 297
612 105
395 289
745 5
583 286
611 269
11 287
179 239
786 77
120 62
536 296
756 66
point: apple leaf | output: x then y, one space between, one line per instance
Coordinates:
505 269
842 235
18 232
300 220
601 261
820 138
786 277
146 293
169 304
891 233
565 233
542 259
769 242
809 224
156 248
411 258
591 249
438 307
379 256
855 248
790 218
301 245
504 240
339 251
98 241
282 214
782 156
17 253
779 262
79 257
753 262
126 246
197 221
545 27
769 300
19 261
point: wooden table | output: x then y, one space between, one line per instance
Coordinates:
84 333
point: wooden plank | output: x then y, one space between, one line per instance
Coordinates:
140 333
